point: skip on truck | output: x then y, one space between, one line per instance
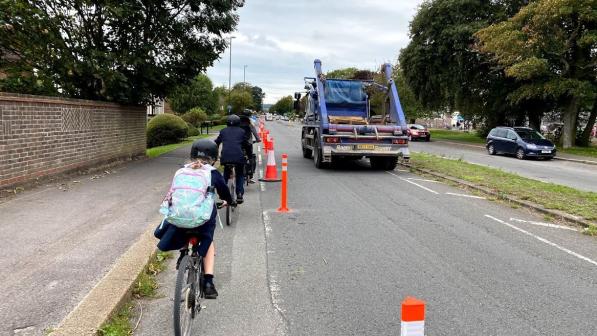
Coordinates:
338 124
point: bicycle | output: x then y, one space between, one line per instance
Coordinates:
188 291
232 188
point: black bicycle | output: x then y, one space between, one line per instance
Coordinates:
188 292
232 188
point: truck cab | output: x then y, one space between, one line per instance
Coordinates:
338 124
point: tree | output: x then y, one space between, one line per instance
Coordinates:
446 72
240 100
283 106
346 73
124 51
412 108
258 96
198 93
550 47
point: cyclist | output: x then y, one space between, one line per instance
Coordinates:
250 132
233 138
203 152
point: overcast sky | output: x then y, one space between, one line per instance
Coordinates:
279 39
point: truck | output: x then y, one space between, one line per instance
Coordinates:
338 124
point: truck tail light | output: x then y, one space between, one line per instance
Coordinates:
399 141
332 140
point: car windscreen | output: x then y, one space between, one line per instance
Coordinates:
417 127
529 134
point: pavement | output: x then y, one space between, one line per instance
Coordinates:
59 240
573 174
357 242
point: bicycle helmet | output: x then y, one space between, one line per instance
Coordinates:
204 148
233 120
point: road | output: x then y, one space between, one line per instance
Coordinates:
58 241
359 241
576 175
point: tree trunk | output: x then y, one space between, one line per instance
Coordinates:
569 120
585 137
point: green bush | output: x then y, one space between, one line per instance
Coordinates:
193 131
165 129
195 116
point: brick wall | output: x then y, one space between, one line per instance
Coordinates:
41 136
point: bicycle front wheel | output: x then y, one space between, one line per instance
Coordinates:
184 298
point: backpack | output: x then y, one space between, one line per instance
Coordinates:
190 201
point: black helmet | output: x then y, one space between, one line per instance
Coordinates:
204 148
233 120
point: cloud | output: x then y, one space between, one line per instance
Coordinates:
278 40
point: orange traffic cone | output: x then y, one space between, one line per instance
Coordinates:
413 317
271 172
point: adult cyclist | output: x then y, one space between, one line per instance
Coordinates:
250 133
233 138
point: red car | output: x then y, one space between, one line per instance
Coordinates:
416 131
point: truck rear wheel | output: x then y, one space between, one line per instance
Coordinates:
307 153
318 157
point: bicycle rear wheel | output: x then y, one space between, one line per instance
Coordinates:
229 208
184 298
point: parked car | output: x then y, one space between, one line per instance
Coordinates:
416 131
520 141
269 117
285 118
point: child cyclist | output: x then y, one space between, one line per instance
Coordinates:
203 153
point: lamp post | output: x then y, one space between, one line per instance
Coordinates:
230 75
245 74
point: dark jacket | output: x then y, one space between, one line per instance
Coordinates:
245 123
232 140
174 238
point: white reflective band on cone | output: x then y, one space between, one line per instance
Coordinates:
415 328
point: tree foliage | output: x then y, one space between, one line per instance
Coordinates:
284 105
550 48
199 93
240 99
195 116
124 51
446 72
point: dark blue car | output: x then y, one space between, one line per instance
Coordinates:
521 141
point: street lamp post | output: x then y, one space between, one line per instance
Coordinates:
245 74
230 75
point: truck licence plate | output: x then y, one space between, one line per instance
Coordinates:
368 147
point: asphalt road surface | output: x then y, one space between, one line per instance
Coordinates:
577 175
357 242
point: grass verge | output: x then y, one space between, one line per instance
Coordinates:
548 195
145 287
581 151
443 134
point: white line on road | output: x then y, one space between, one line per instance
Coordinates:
259 160
423 180
262 185
579 256
464 195
411 182
544 224
402 170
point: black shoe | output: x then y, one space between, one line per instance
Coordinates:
209 291
182 254
239 199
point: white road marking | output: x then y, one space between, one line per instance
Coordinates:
423 180
411 182
579 256
259 160
402 170
260 173
262 185
544 224
259 149
464 195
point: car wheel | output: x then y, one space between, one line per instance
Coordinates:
491 150
520 154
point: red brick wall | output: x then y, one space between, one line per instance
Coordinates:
42 136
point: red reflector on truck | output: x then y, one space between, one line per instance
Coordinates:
399 141
332 140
